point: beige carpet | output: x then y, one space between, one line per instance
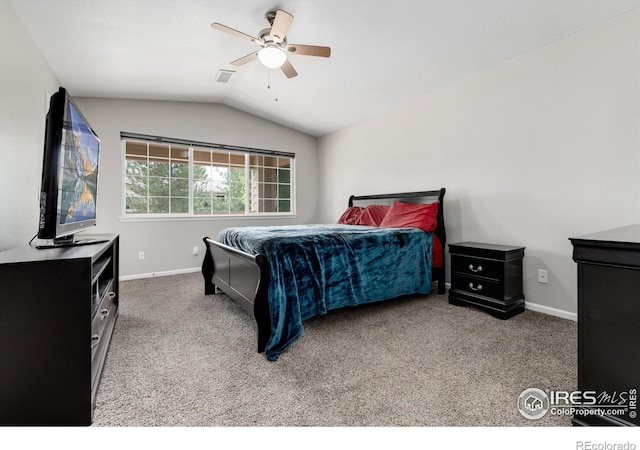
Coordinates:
180 358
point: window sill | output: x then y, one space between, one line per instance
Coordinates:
161 218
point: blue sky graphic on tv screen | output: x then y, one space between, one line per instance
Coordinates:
79 171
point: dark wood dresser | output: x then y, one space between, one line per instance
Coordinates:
609 323
488 276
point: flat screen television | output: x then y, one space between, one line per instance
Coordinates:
69 189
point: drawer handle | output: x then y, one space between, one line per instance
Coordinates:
473 288
95 340
112 295
104 314
473 269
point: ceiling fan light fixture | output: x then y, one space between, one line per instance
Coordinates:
272 56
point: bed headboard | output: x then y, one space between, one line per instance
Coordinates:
423 197
409 197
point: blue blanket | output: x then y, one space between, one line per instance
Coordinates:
317 268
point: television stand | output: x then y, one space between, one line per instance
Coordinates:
59 309
70 241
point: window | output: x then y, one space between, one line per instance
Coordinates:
171 177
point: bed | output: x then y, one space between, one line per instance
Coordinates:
283 275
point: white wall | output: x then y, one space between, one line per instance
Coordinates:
533 151
168 244
25 79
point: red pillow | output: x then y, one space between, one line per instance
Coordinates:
351 215
416 215
373 215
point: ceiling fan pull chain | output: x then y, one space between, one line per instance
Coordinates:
269 83
276 89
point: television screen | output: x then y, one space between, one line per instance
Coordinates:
79 177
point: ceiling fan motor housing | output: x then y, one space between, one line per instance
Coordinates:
266 39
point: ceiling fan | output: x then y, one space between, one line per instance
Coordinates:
273 41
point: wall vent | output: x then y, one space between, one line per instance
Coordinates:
223 76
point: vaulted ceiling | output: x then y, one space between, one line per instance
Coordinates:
383 53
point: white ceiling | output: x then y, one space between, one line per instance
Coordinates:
383 52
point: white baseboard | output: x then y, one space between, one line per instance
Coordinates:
544 309
551 311
159 274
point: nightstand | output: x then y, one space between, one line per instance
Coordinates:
488 276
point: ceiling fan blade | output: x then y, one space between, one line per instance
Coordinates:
231 31
245 59
281 25
288 69
311 50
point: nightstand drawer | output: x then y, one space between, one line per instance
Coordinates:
477 286
466 265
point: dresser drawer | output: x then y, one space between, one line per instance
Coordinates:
101 329
102 317
466 265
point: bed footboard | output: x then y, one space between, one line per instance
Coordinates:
244 278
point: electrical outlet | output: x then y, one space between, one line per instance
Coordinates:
141 255
196 251
543 276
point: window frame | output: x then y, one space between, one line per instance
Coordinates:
247 153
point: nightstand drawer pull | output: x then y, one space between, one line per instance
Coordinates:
473 288
473 269
95 340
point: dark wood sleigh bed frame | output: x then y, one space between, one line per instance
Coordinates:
245 277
